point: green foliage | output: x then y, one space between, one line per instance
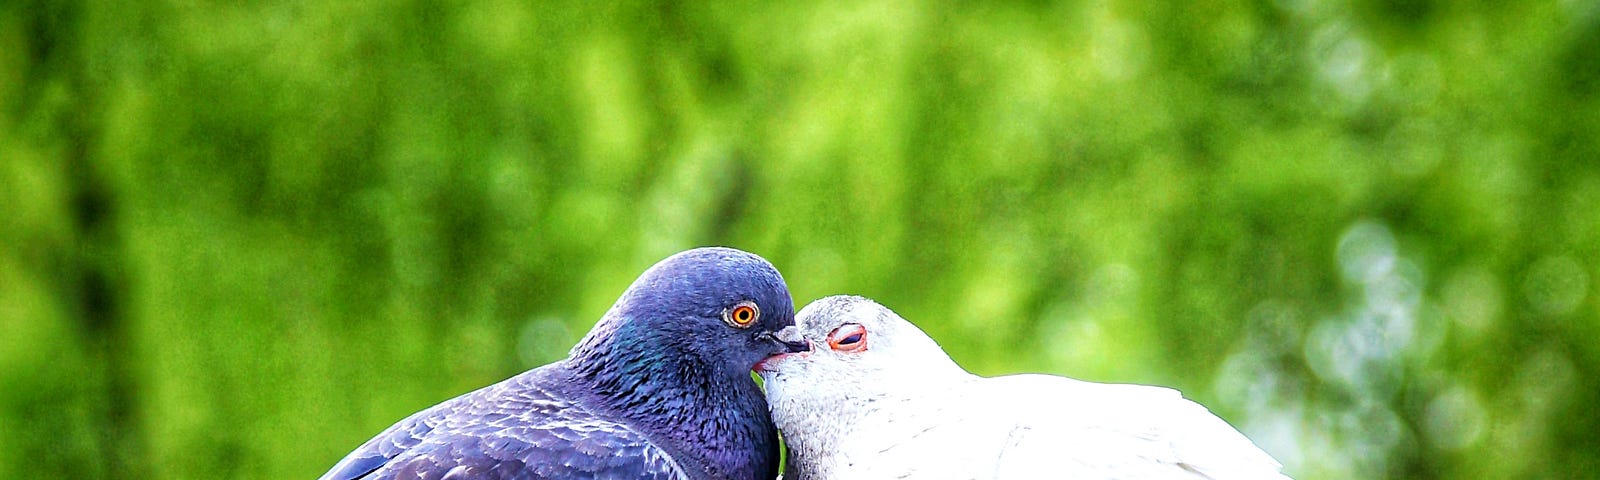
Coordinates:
238 239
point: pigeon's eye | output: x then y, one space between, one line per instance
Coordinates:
742 315
848 338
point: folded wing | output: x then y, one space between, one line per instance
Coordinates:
512 430
1075 429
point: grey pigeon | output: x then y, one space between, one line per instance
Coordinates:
660 388
876 398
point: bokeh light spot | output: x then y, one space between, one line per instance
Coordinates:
1454 419
1366 251
544 340
1556 285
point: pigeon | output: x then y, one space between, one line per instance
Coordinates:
660 388
876 398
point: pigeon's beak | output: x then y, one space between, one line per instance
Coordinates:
791 340
790 343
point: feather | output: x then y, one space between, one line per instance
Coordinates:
898 407
659 389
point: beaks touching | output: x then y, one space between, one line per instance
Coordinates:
792 341
793 345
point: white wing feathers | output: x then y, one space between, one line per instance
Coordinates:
1039 426
1120 431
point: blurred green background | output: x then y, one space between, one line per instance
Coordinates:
240 238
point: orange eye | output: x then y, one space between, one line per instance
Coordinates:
742 315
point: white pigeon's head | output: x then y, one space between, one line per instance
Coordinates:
858 349
863 358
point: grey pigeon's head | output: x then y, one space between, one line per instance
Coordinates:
720 308
859 348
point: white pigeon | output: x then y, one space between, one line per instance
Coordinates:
875 398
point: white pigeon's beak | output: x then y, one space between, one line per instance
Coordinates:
792 340
794 345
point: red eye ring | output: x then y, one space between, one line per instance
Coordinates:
742 315
849 338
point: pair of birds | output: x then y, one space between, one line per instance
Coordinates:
660 388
